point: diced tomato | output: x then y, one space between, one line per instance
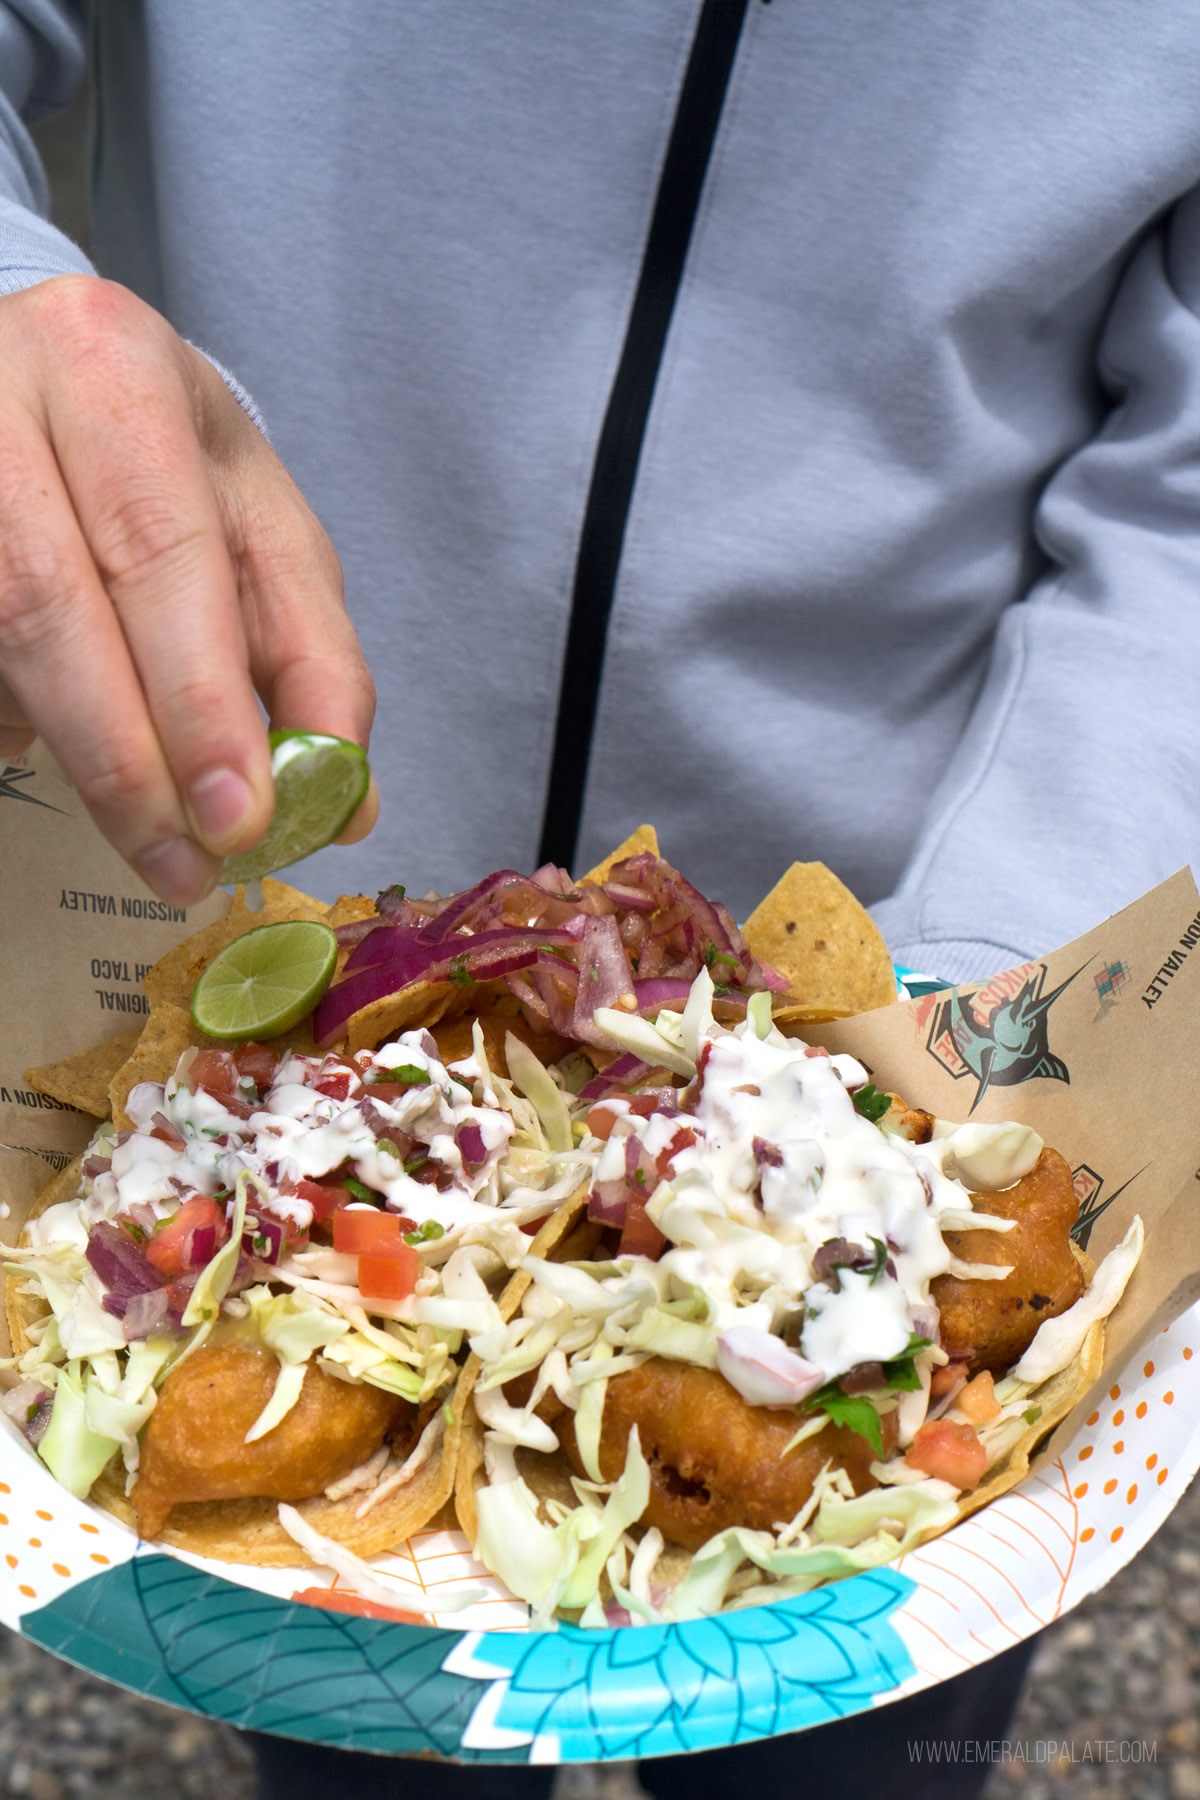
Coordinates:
214 1070
683 1137
257 1063
342 1601
167 1134
335 1085
166 1248
601 1119
949 1452
324 1197
531 1227
358 1229
978 1399
945 1378
233 1103
390 1276
640 1236
388 1091
642 1105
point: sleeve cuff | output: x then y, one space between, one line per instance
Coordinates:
955 960
245 400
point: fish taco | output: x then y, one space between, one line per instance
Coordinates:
815 1327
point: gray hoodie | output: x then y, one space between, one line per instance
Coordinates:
827 490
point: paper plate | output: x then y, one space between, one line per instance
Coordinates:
477 1685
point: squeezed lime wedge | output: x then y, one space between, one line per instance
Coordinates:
266 981
320 782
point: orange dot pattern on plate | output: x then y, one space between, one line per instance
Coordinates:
1117 1532
1152 1459
44 1515
1110 1486
1085 1453
1119 1416
1093 1418
1114 1392
60 1569
11 1561
1187 1354
1087 1534
1081 1490
30 1593
94 1529
1140 1410
1119 1447
1161 1476
35 1543
1168 1398
97 1558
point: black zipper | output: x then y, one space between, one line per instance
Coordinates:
697 113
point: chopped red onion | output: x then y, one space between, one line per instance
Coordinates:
144 1312
143 1102
120 1265
762 1368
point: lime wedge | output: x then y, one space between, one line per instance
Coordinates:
265 982
320 782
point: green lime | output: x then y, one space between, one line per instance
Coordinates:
265 982
320 782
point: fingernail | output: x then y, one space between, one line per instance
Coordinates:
177 870
219 802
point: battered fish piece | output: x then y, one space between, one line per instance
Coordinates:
194 1444
715 1460
993 1322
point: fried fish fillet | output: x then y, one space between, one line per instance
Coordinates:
992 1323
715 1460
194 1445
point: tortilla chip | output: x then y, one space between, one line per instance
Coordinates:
823 941
82 1080
643 839
166 1034
413 1007
349 909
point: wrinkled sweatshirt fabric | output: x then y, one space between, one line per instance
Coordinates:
909 580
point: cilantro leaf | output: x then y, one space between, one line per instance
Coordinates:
854 1410
409 1073
359 1191
459 973
900 1374
425 1233
871 1103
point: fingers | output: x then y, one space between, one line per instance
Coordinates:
157 567
122 425
304 655
69 674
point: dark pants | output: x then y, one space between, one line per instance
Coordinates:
872 1756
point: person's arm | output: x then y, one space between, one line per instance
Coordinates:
1077 783
158 566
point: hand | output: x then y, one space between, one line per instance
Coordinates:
157 566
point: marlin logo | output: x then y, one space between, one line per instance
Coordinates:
10 791
1003 1047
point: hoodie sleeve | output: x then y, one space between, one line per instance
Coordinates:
42 46
1076 785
